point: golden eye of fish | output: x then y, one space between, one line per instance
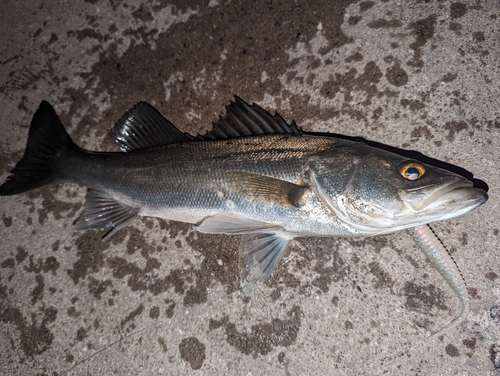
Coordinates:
412 170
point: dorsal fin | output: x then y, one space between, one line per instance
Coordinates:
241 120
144 127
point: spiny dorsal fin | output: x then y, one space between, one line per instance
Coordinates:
144 127
241 120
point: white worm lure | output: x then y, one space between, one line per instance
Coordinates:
442 261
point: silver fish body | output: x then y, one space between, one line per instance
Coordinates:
252 174
193 181
343 186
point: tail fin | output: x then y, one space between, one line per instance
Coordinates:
47 140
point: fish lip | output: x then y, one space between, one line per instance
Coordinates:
441 191
471 197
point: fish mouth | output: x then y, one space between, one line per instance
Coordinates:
453 199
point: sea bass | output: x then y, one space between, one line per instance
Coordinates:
252 174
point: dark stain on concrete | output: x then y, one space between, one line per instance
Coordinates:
464 239
142 14
396 75
136 241
262 338
81 334
169 310
491 276
423 298
86 33
470 343
55 245
357 56
421 131
163 344
192 351
21 254
154 312
50 204
220 261
37 293
132 315
386 24
8 263
69 357
351 81
451 350
449 77
423 30
382 277
97 288
328 264
7 221
197 294
456 28
453 128
478 36
34 339
249 53
90 250
50 265
365 5
458 10
413 105
72 312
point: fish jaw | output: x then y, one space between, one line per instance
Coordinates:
445 202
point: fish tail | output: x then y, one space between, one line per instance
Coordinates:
48 143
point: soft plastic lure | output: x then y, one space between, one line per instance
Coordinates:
442 261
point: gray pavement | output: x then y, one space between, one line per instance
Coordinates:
160 298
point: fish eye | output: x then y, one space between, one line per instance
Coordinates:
412 170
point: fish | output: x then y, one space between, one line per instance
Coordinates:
252 174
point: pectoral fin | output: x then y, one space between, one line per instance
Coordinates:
268 189
260 253
101 211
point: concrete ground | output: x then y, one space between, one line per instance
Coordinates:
160 298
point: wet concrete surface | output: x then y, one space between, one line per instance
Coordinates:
160 298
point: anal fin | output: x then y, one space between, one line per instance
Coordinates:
102 211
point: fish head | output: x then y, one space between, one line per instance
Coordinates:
373 191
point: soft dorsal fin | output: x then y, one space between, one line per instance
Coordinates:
144 127
241 120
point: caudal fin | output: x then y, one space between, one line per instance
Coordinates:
47 141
